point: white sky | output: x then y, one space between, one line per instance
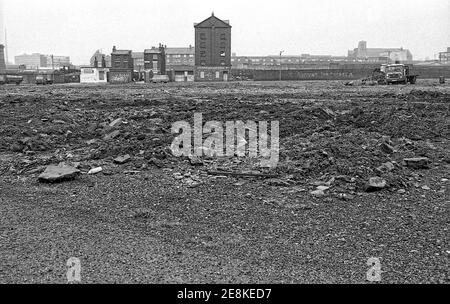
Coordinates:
261 27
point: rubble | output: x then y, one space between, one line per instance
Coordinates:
95 170
122 159
60 173
375 184
417 163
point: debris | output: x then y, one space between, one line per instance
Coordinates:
112 135
116 122
386 167
122 159
375 184
426 188
195 161
386 148
318 193
237 174
60 173
95 170
417 163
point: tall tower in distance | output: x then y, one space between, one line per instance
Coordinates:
2 46
2 59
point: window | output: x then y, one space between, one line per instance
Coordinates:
222 53
223 37
202 36
101 75
155 57
217 74
202 75
222 62
203 44
202 54
202 62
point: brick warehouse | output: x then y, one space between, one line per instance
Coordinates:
212 50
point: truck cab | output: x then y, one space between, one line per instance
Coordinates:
398 73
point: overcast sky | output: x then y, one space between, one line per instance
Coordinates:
262 27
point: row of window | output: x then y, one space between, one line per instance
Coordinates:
222 36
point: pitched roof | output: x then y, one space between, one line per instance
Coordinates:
177 51
213 21
121 52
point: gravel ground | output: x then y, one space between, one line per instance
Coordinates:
148 226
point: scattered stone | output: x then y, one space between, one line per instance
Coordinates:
323 188
386 167
318 193
195 161
122 159
401 191
112 135
426 188
375 184
60 173
116 122
417 163
95 170
386 148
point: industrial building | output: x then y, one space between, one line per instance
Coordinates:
32 61
376 55
212 50
445 56
57 62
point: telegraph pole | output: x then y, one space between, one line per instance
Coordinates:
6 48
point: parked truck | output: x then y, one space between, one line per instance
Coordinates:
8 79
44 79
398 73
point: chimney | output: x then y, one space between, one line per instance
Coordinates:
103 61
114 49
95 62
2 58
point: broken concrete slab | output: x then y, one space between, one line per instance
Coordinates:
122 159
112 135
95 170
55 174
375 184
417 163
116 122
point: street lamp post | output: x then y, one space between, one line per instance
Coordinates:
281 65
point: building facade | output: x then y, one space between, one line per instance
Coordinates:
180 57
57 62
212 50
155 60
94 74
33 61
445 56
98 55
376 55
122 66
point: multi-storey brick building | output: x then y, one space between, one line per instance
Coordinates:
213 49
122 66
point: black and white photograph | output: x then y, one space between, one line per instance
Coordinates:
234 143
